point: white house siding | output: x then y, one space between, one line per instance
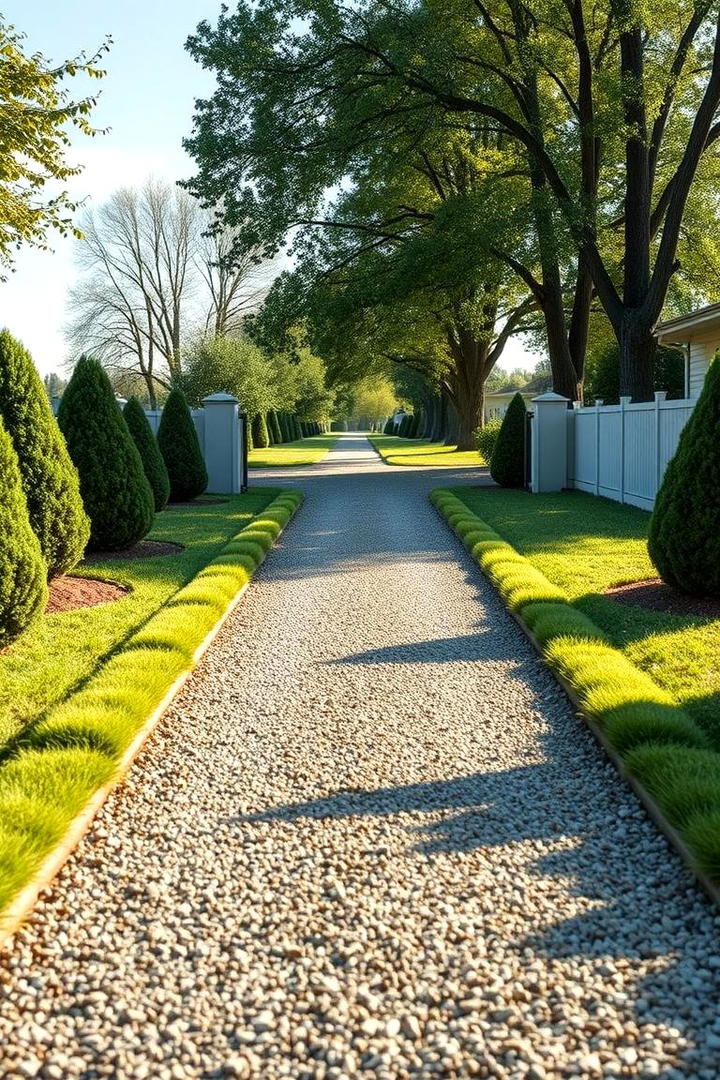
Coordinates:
702 350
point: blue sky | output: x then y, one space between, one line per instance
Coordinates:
147 102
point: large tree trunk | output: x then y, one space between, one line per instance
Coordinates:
637 357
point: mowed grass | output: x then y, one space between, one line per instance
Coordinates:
397 451
61 651
585 545
302 452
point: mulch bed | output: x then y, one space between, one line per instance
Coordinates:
194 503
69 593
145 549
654 595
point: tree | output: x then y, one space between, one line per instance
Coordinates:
23 588
239 367
180 448
153 462
35 110
507 464
155 272
684 540
260 436
611 110
50 480
375 399
113 485
604 373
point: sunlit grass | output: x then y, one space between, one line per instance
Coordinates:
61 650
397 451
302 452
57 760
585 545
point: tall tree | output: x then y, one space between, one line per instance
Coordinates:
36 108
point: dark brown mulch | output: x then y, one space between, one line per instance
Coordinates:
655 595
68 593
145 549
195 503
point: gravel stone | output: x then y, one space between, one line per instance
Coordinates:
370 837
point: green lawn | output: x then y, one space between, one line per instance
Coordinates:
61 651
397 451
302 452
585 544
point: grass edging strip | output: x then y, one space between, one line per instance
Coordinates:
659 750
86 744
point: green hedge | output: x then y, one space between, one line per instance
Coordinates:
50 480
153 462
180 448
23 586
659 742
113 484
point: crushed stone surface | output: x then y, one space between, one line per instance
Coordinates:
369 839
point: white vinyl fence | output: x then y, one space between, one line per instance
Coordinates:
622 451
221 433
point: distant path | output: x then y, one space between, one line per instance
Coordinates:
369 839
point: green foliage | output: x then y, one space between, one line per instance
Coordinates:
233 365
684 540
260 432
507 463
486 437
113 485
603 377
274 426
153 463
36 110
180 448
23 589
74 748
50 480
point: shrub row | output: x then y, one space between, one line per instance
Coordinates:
273 428
60 761
662 747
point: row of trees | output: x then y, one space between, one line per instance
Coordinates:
93 480
455 175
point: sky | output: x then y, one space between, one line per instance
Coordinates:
147 102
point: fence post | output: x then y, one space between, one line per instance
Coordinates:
660 396
624 402
549 458
223 449
598 403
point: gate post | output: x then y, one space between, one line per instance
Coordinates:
549 458
223 444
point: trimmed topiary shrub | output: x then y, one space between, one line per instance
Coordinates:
684 540
274 426
389 428
180 448
486 437
284 430
50 480
113 485
23 586
153 462
507 464
260 432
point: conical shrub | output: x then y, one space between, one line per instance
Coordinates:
260 432
23 585
50 480
180 448
273 424
153 462
507 464
684 540
113 485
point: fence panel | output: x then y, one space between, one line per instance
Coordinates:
622 451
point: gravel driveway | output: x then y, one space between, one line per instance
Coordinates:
370 838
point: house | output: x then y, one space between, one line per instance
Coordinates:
497 401
699 334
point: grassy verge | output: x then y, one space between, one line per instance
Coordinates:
663 746
55 761
397 451
302 452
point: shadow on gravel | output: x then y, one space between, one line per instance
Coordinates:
484 646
